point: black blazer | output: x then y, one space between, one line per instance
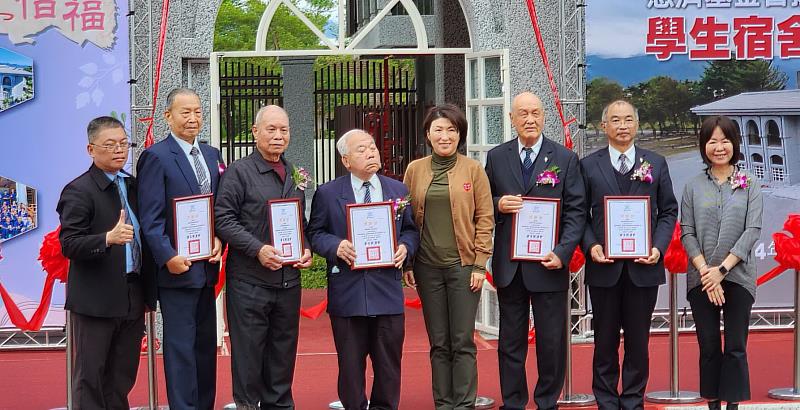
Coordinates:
88 208
503 166
600 180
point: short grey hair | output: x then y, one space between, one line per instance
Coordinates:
264 109
101 124
604 116
341 143
179 91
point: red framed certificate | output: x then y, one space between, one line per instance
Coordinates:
286 229
371 230
627 227
534 229
193 219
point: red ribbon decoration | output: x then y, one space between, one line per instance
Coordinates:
546 62
149 140
316 310
578 260
56 266
221 281
787 249
676 260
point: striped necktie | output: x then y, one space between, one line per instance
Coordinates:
528 162
202 178
623 164
367 194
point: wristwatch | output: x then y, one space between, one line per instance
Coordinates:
723 270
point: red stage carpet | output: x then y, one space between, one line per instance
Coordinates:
35 379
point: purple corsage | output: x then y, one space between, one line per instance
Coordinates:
549 176
740 180
399 204
644 173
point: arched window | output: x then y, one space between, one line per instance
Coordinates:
738 132
773 134
757 158
7 81
752 133
741 157
776 160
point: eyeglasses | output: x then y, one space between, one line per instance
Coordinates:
616 122
113 147
272 131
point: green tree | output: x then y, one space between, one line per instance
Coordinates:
725 78
599 92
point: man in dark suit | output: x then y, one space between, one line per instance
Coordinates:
623 292
109 280
514 170
365 306
181 166
263 293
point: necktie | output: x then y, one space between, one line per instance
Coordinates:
202 179
623 164
367 194
528 162
133 250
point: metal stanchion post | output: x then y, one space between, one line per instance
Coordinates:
793 393
674 395
68 328
152 386
569 398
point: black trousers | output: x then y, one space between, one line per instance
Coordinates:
550 320
629 308
190 347
380 338
724 375
264 325
107 356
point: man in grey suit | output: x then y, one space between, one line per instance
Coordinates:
263 293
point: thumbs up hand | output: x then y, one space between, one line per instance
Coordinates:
122 232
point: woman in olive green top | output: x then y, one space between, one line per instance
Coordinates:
452 205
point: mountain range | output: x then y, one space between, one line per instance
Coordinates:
633 70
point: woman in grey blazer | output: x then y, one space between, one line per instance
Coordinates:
721 221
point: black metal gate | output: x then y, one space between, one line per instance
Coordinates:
244 88
376 96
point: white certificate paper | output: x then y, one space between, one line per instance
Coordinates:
286 229
371 229
535 230
194 226
627 227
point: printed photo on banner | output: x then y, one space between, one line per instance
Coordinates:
16 79
17 209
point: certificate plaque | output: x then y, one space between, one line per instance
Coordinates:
194 226
286 229
371 230
627 227
535 230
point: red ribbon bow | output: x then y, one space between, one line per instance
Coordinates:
787 249
675 260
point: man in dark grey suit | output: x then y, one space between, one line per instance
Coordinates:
263 293
513 169
623 292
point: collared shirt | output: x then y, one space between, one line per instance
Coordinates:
129 212
375 190
717 220
536 148
187 149
630 156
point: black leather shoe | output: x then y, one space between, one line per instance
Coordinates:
714 405
732 406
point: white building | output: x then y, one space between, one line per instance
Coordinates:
12 82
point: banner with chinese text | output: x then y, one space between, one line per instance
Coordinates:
678 61
62 63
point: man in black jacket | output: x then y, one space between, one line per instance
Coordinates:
624 291
263 292
109 279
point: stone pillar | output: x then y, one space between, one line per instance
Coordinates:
298 101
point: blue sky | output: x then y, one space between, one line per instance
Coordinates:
618 28
10 57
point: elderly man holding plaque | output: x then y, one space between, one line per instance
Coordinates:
538 195
260 214
631 213
178 178
361 226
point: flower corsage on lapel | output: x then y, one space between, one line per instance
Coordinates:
399 204
644 173
301 178
549 176
740 180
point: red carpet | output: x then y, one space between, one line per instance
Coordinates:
35 379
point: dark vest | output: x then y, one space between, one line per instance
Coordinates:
624 181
